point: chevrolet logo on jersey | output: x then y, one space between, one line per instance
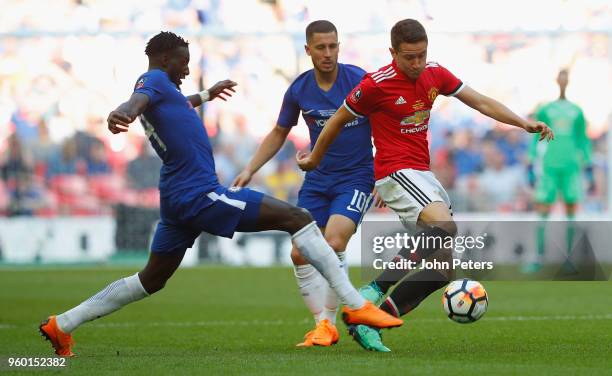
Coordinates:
414 130
417 119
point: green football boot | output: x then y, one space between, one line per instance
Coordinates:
368 338
372 293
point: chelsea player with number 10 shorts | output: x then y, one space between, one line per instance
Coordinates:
339 191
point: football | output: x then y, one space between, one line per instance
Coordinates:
465 301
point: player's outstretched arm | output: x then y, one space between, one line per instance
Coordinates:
268 149
120 119
494 109
333 126
222 89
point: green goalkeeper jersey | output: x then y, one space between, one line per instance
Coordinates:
571 147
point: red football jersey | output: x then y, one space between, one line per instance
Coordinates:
398 109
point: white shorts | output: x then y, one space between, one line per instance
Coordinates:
408 191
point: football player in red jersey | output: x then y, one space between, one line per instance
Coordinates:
397 99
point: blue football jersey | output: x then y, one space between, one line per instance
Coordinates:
352 149
177 134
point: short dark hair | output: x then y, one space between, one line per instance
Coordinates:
407 31
165 41
319 26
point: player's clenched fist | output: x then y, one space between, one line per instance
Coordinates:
118 122
242 179
305 161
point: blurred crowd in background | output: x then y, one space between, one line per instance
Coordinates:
64 68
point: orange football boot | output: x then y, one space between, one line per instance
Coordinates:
325 334
61 341
370 315
307 339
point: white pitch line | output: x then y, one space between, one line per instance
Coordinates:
188 324
607 316
128 324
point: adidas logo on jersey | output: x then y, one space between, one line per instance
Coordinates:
400 100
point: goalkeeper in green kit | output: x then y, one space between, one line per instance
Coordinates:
556 167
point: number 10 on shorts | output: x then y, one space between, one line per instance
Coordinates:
359 202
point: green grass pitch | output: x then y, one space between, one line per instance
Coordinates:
219 320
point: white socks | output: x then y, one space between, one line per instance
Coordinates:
330 310
320 299
321 256
113 297
313 288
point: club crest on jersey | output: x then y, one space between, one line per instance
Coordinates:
433 93
356 96
140 83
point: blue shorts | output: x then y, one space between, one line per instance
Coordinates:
350 197
221 212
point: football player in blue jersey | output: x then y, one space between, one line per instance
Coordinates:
339 191
193 201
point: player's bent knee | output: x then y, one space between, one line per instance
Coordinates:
338 243
299 217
